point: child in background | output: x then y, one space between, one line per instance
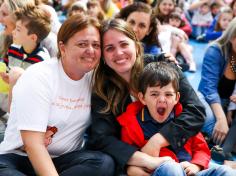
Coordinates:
215 8
183 47
159 104
32 26
95 10
77 7
174 40
218 25
201 20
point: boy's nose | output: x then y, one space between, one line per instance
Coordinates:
161 99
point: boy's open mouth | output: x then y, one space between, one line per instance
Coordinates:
161 110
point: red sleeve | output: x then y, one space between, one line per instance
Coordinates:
200 152
187 27
131 131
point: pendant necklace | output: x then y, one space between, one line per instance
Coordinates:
233 64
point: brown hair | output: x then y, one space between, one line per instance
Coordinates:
124 13
73 25
158 74
35 20
108 84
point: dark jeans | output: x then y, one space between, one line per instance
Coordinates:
77 163
230 139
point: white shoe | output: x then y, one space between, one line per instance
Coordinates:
192 67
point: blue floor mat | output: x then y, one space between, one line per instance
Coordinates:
198 53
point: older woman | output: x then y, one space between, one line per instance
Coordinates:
59 92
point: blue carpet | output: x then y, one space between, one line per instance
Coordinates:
198 53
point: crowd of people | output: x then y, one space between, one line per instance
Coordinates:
97 87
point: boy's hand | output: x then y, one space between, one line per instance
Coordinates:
49 135
189 168
5 77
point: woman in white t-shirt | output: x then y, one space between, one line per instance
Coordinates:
55 96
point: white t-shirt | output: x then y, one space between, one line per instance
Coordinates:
45 96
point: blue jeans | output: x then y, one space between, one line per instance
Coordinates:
217 171
210 119
76 163
198 30
169 168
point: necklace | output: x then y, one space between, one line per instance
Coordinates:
233 64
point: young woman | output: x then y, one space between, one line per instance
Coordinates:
217 82
116 86
59 90
143 22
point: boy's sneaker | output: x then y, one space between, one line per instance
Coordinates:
219 155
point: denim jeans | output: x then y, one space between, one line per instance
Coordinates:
217 171
198 30
169 168
210 119
77 163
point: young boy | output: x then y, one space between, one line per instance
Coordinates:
159 96
32 26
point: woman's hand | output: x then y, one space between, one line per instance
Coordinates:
154 144
221 127
233 98
137 171
170 58
220 131
189 168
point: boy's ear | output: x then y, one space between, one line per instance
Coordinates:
34 37
141 98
